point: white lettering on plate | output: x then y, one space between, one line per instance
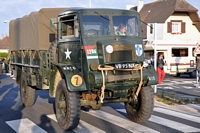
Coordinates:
152 78
124 66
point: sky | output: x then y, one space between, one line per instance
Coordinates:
12 9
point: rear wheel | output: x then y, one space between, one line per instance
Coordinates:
177 75
27 93
143 110
67 107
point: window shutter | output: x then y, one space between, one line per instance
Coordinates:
183 27
169 27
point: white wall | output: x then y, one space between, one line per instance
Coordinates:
191 34
159 30
4 50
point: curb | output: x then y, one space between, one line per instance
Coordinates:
177 97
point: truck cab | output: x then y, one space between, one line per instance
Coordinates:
87 41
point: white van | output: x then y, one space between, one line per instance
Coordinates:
179 59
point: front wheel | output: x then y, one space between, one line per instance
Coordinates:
67 106
144 108
27 93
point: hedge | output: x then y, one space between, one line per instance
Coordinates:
3 55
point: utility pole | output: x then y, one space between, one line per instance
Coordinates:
155 52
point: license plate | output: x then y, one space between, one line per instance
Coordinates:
125 66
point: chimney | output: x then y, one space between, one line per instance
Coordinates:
128 7
140 5
2 36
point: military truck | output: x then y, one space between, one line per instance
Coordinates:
75 54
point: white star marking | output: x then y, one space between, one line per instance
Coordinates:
68 53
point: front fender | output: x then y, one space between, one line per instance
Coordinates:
73 78
151 76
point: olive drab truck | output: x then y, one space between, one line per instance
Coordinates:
75 54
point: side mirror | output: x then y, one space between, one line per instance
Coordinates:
52 37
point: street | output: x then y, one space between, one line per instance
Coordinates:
111 118
183 85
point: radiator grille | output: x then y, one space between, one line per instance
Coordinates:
120 53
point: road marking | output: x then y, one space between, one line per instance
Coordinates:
170 123
83 127
167 82
177 114
187 87
170 88
121 122
25 126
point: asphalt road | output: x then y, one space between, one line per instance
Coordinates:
183 85
111 118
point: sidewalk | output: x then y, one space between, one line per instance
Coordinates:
183 90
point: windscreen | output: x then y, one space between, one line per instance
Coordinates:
126 26
95 25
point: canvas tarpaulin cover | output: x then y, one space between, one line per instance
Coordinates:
31 32
11 35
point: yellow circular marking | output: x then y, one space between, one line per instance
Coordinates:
76 80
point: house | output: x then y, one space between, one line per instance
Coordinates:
172 28
4 44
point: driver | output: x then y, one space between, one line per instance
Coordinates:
121 30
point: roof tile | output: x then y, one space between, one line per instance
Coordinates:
4 43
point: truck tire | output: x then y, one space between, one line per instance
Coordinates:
67 114
27 93
142 112
52 51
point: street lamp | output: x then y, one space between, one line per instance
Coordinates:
6 21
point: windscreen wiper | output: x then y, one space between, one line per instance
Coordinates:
102 16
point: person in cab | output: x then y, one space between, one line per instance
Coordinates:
121 30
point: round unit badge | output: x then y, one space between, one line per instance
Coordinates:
109 49
76 80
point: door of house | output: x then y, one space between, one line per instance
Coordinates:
165 57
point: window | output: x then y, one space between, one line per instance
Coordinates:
179 52
193 51
129 22
148 54
95 25
67 27
176 27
